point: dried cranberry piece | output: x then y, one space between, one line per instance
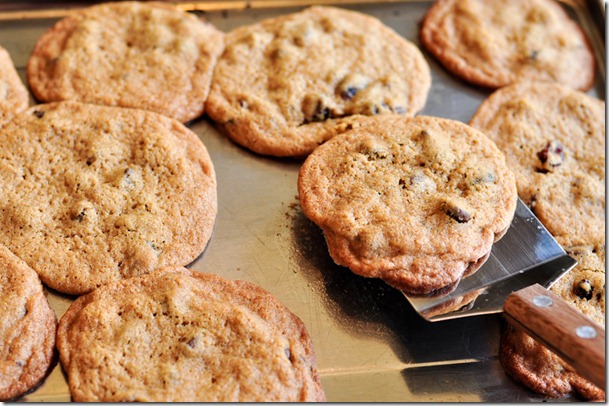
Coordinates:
551 156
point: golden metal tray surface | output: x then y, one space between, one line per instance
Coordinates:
371 346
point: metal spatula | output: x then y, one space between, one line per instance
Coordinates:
514 280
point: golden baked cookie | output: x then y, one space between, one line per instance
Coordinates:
416 202
584 286
151 56
14 97
177 335
540 369
554 140
533 364
494 43
27 328
289 83
92 194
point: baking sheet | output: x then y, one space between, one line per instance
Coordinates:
371 346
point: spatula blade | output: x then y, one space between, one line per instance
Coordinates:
527 254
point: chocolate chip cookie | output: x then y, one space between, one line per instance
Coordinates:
92 194
416 202
14 97
534 365
177 335
27 328
494 43
287 84
131 54
554 141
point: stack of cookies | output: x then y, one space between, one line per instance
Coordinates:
417 202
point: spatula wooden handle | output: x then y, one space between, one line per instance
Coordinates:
568 333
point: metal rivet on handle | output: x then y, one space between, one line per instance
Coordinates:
542 301
585 331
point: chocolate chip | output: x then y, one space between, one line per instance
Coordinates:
315 109
80 216
38 113
584 289
457 213
551 157
349 92
323 114
192 342
351 85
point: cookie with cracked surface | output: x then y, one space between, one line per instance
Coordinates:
287 84
412 201
92 194
498 42
180 335
14 97
131 54
27 328
554 141
535 366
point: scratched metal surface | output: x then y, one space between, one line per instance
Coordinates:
371 346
